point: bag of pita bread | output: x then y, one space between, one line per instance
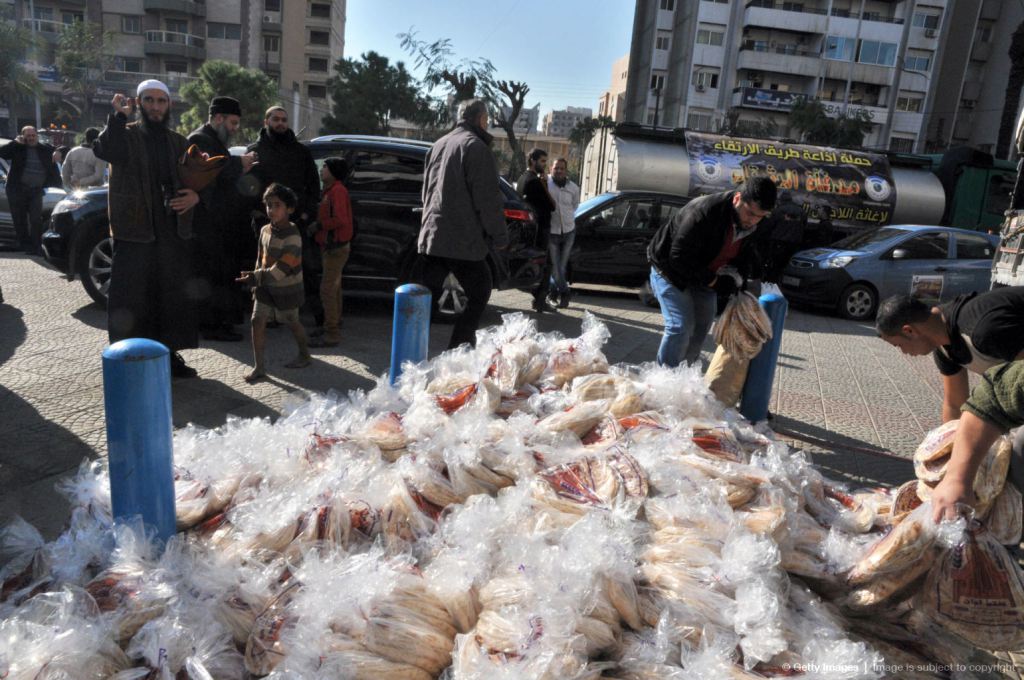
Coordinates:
976 590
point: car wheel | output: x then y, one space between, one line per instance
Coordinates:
94 258
858 301
453 300
647 296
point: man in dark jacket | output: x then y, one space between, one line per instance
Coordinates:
286 160
533 188
152 290
32 170
219 223
463 212
783 232
704 249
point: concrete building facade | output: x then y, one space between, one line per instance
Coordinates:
560 123
296 42
928 73
613 101
528 120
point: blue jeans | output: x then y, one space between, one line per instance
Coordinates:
688 316
559 247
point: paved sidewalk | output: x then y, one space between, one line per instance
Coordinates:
840 393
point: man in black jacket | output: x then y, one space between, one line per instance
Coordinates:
32 170
533 188
219 222
703 249
286 160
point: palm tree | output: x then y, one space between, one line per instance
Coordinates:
1014 83
16 82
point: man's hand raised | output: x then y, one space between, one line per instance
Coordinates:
123 104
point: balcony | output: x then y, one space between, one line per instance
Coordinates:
130 79
759 56
271 22
174 44
45 29
196 9
807 20
767 100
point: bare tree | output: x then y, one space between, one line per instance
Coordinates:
515 92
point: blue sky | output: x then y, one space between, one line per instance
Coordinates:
563 49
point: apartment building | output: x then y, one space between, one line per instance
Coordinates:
613 101
560 123
296 42
526 123
929 73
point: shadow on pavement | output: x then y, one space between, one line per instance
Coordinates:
36 453
92 315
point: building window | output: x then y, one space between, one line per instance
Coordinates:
317 65
661 42
704 79
224 31
983 34
922 20
839 48
176 67
69 18
909 102
721 2
43 13
657 82
920 61
699 121
319 38
128 64
707 35
320 11
316 91
968 103
271 43
874 52
177 25
668 5
131 24
272 5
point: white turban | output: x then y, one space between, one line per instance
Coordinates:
152 85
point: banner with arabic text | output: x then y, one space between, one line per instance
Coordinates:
854 188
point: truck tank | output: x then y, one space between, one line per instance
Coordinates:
619 163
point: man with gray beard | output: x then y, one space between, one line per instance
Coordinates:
220 224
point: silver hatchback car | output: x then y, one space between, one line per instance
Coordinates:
852 275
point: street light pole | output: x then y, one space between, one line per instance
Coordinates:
35 56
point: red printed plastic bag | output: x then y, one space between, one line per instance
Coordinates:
976 590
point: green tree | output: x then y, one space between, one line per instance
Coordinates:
580 136
83 54
762 128
808 117
253 89
16 82
366 93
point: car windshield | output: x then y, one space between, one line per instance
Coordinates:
591 202
866 238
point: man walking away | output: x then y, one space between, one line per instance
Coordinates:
285 160
219 223
533 188
81 169
151 286
704 249
32 170
566 196
463 211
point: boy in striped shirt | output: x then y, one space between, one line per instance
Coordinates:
277 279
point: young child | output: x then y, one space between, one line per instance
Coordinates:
277 279
334 236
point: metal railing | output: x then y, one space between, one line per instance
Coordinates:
44 25
761 46
836 12
172 38
172 80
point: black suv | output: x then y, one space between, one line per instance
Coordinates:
385 189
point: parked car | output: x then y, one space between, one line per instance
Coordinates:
384 187
853 274
8 238
612 233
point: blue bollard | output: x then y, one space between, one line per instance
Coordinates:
757 390
137 397
410 331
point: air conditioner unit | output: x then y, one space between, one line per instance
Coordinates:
699 88
267 19
930 32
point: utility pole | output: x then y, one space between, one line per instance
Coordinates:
35 58
657 103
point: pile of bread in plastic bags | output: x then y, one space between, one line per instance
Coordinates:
517 510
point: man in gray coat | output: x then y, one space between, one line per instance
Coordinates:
463 212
